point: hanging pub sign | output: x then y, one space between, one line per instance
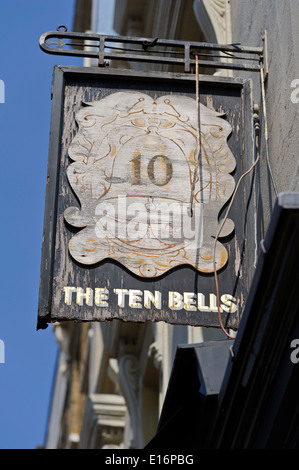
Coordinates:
140 173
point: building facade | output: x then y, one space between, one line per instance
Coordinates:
112 377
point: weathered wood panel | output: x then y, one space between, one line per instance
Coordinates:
132 172
150 185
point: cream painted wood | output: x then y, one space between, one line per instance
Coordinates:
150 185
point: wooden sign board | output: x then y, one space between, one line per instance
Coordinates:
139 176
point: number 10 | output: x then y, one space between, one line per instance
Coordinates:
161 160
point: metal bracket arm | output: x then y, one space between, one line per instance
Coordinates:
155 50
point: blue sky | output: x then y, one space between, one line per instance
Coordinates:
26 376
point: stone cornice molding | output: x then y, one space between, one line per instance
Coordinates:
104 422
213 17
129 384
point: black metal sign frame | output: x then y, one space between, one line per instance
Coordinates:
63 278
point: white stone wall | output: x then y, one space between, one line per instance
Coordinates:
280 18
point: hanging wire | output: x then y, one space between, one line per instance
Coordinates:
238 183
198 137
236 189
266 128
231 202
221 227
